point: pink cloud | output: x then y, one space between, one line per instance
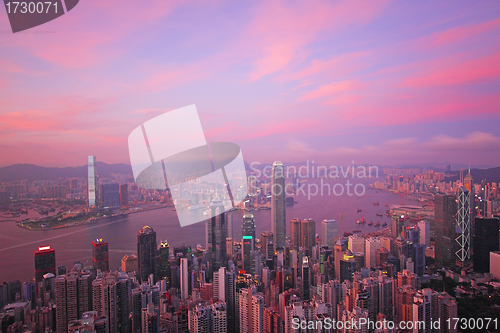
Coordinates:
457 34
445 72
88 35
336 66
333 89
282 32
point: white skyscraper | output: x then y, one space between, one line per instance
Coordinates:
219 284
356 244
372 245
184 278
278 213
92 182
425 232
328 232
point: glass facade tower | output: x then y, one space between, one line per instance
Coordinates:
278 213
92 183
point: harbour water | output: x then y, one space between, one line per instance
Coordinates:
73 244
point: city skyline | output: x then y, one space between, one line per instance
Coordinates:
326 80
367 200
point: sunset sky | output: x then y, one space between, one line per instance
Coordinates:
377 82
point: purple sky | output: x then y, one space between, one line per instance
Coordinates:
377 82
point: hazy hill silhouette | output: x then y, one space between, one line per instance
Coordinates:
491 175
35 172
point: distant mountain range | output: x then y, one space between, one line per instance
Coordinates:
440 166
35 172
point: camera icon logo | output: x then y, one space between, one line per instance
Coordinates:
204 179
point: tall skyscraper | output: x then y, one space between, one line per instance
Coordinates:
124 195
425 232
216 236
328 232
397 223
295 234
163 268
418 258
146 253
306 279
267 247
248 239
372 245
73 298
463 222
45 262
303 234
308 235
105 299
224 291
109 196
445 211
425 306
469 185
100 255
486 240
278 212
141 297
92 182
184 279
65 308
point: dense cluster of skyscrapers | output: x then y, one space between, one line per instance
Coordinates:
259 283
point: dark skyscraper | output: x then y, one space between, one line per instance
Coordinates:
100 255
146 253
124 195
486 240
295 234
278 212
45 262
163 268
306 281
445 209
217 234
109 196
248 239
